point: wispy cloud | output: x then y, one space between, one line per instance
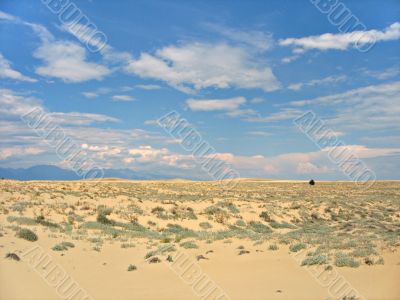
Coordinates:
6 71
383 74
122 98
148 87
256 39
315 82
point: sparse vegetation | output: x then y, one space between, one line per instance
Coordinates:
297 247
132 268
27 234
189 245
344 260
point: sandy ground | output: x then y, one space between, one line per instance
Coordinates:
259 274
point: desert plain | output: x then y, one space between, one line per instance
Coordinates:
181 239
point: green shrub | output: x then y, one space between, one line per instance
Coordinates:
274 224
273 247
189 245
344 260
127 245
27 234
132 268
380 261
102 213
259 227
265 216
63 246
297 247
240 223
315 260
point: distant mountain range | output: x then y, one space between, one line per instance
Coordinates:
49 172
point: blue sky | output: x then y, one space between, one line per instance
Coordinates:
239 71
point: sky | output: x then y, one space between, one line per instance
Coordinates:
239 72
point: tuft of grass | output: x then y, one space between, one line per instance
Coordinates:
63 246
240 223
205 225
132 268
265 216
344 260
13 256
315 260
127 245
380 261
259 227
102 213
189 245
27 234
273 247
297 247
277 225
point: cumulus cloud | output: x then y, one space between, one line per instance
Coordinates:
344 41
62 59
6 71
196 66
67 61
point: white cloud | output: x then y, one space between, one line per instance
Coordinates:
216 104
122 98
257 100
7 17
67 61
231 106
365 108
148 87
15 105
63 59
310 168
6 71
259 133
384 74
364 152
343 41
90 94
256 39
197 66
283 115
19 151
314 82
